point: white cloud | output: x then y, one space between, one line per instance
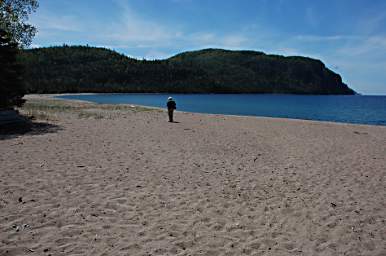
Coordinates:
132 29
317 38
203 38
129 29
156 55
213 40
287 51
234 40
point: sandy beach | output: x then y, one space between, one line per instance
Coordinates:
121 180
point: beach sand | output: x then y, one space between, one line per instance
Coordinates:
123 181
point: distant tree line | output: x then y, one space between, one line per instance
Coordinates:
67 69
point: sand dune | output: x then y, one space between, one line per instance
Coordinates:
130 183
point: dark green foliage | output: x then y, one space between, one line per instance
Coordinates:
89 69
13 18
14 33
11 84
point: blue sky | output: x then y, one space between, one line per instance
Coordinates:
349 36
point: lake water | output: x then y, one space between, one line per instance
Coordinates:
348 109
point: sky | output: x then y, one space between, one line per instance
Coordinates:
349 36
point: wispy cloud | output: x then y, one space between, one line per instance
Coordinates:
156 55
287 51
235 40
131 28
373 21
209 39
49 22
374 46
357 46
203 38
311 17
318 38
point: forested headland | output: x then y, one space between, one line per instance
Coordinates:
66 69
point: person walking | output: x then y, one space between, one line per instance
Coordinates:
171 104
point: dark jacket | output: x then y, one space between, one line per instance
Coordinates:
171 104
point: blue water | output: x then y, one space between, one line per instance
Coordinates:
347 109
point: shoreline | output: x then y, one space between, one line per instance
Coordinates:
54 97
116 180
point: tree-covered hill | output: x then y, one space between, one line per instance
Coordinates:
90 69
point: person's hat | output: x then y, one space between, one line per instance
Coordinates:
170 98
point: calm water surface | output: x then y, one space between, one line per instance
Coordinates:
348 109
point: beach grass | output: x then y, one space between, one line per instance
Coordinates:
49 109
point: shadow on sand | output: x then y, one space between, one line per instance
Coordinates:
28 128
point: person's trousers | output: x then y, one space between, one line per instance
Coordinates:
170 112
